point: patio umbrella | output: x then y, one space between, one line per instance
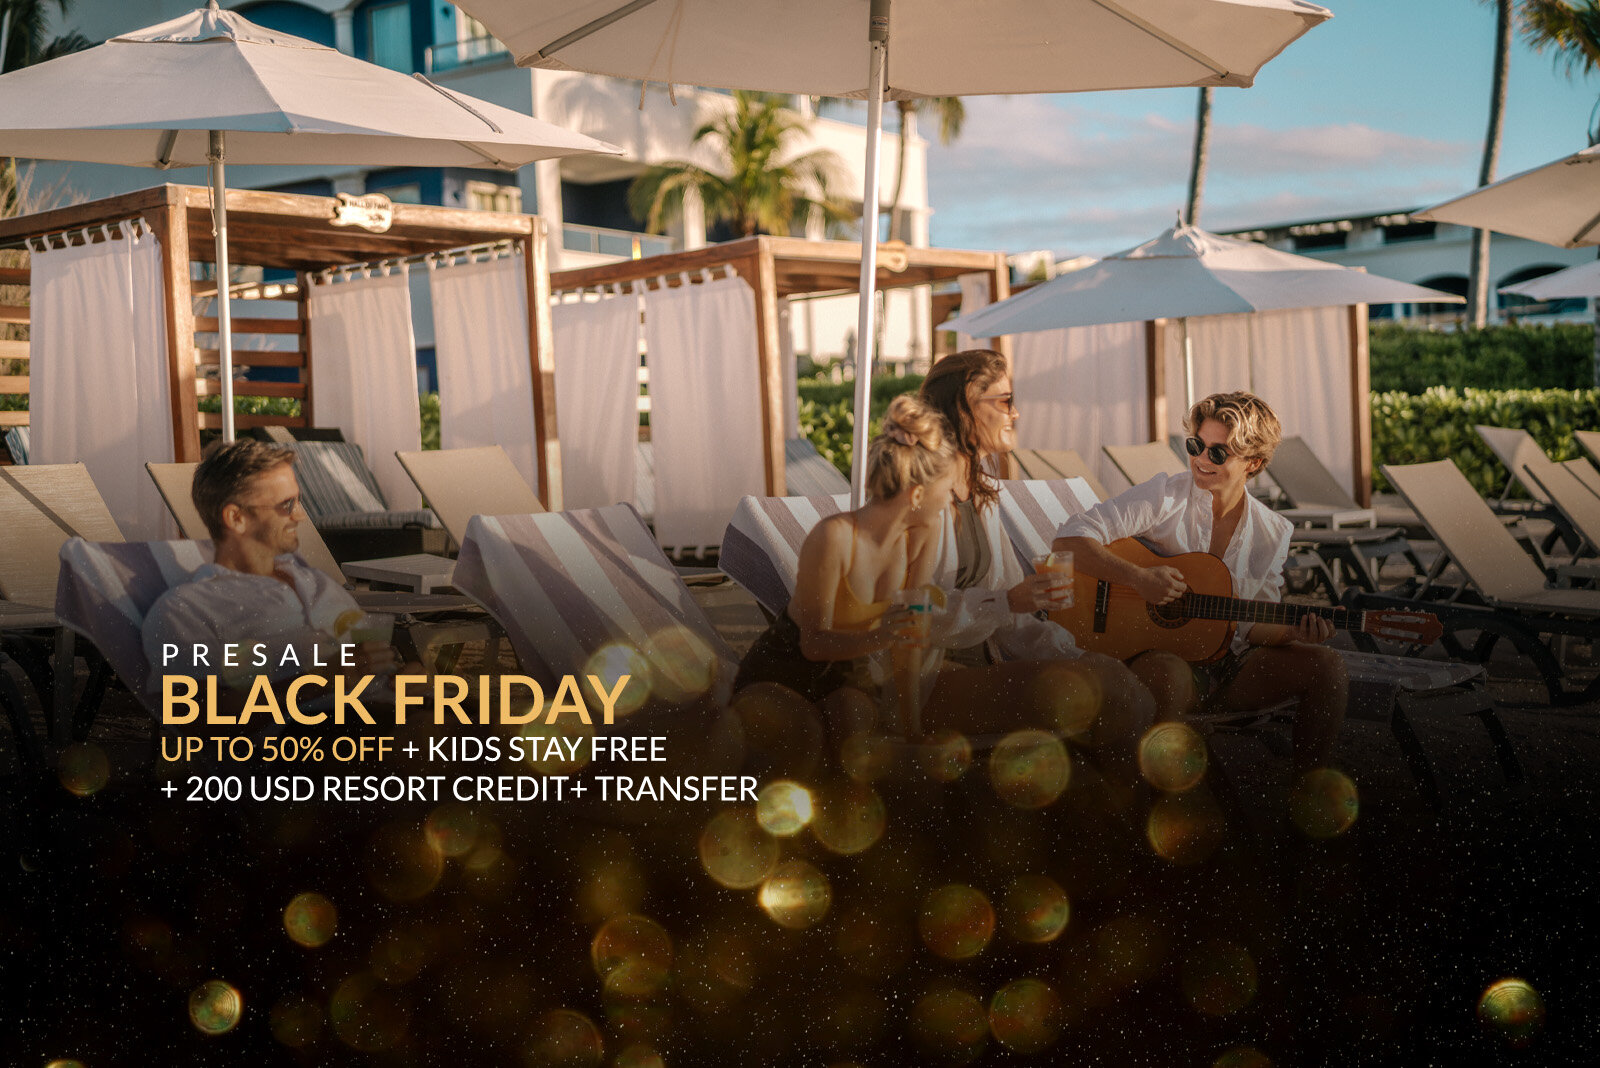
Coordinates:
940 48
1187 272
212 87
1558 203
1580 281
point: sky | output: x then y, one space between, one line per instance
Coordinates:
1382 107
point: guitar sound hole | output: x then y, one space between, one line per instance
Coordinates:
1169 615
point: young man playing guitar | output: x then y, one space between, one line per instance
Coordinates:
1208 510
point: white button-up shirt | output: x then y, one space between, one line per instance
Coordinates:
1174 516
219 605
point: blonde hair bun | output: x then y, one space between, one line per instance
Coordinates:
914 449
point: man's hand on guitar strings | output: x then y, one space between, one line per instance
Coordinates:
1161 584
1313 628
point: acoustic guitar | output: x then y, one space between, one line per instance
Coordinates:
1198 626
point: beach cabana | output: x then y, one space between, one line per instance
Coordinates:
736 363
306 235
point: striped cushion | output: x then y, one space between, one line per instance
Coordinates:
761 547
107 588
1032 510
565 585
334 479
17 443
422 517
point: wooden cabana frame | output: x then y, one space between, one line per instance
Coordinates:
780 267
290 232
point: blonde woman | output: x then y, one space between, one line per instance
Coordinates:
1208 509
852 564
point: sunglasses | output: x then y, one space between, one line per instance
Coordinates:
284 507
1007 401
1217 454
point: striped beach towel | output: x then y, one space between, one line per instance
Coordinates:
587 590
1032 510
107 588
761 547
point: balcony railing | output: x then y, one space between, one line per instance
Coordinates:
454 54
623 244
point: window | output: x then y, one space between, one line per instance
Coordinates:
1447 283
486 196
389 35
407 193
1309 242
1410 231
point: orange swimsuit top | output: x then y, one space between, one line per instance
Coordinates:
851 612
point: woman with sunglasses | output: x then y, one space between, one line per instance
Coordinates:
990 627
1209 509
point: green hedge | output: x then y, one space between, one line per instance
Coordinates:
1438 424
827 415
1513 356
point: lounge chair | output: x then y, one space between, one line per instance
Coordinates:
461 483
1049 465
761 547
807 474
342 499
1316 496
1521 454
1589 442
1574 488
1505 595
41 507
173 482
18 441
1141 463
572 586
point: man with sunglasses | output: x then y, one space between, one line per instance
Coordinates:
258 590
1209 509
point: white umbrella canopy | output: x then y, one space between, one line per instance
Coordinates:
1187 272
1558 203
1580 281
914 48
211 87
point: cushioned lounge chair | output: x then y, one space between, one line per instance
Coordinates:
1505 594
589 590
342 499
1520 453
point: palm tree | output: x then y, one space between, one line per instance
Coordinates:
1573 30
1478 271
763 190
24 28
1202 156
952 116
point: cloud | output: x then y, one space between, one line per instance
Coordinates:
1032 172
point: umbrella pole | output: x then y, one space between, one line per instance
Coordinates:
219 226
866 331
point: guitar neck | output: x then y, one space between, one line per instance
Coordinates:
1236 610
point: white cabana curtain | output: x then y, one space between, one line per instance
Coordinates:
366 373
1298 361
597 390
975 297
480 331
1081 388
100 386
705 406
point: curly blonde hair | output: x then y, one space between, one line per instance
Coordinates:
1254 432
914 449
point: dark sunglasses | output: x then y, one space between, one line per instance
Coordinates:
1217 454
284 507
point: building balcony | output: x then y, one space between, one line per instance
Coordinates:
453 55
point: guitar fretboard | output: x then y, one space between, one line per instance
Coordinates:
1234 609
